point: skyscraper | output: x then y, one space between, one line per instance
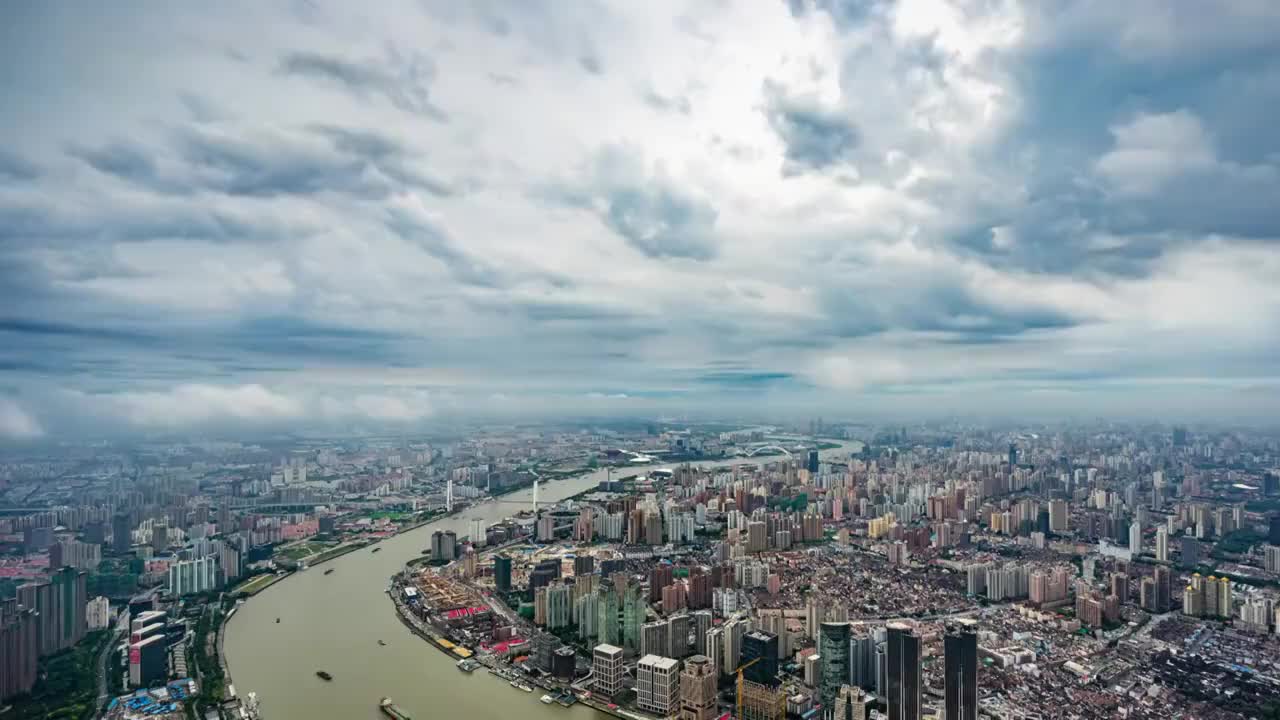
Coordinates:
502 573
833 646
121 533
903 673
961 673
698 689
761 647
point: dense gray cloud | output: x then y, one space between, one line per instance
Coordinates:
351 218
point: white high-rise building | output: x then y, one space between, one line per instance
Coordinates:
97 613
606 669
1135 538
657 684
193 576
477 532
1162 544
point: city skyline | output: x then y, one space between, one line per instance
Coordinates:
256 217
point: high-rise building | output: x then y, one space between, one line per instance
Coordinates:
19 648
121 533
960 681
606 669
608 610
1190 548
654 639
633 616
502 573
443 545
903 673
97 613
60 606
851 704
733 631
1135 539
698 689
1162 544
760 652
833 646
658 684
193 576
811 463
1164 588
1058 516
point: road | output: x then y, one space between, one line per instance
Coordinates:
104 656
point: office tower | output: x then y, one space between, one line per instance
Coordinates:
833 646
1273 534
1147 599
852 704
1162 544
159 536
121 533
960 680
633 616
19 649
1120 587
1164 588
502 573
606 668
760 651
812 462
903 673
862 662
608 608
1013 458
1135 539
1190 553
657 684
698 689
584 565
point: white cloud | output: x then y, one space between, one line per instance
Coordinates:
16 423
563 206
1151 150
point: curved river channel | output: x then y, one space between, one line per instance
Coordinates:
334 622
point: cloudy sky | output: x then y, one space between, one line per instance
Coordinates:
307 212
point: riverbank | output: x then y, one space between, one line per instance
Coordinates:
446 646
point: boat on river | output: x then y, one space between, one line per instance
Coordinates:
329 571
389 709
324 676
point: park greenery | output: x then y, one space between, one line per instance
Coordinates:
66 688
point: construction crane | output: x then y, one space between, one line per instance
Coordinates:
740 668
766 702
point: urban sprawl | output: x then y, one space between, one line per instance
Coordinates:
820 570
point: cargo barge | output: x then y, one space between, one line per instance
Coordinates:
389 709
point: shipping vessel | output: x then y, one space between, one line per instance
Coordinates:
467 665
324 675
329 571
376 550
389 709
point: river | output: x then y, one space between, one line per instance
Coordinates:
333 623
